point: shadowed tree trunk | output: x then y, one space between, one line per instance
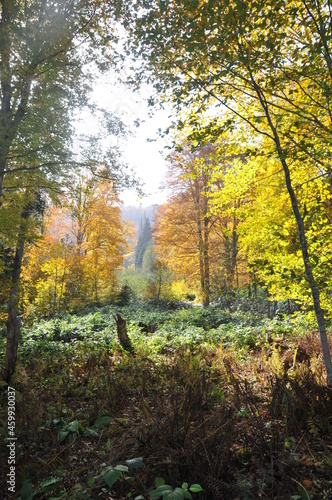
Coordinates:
13 322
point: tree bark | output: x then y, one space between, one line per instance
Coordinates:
235 251
61 290
13 322
206 257
55 290
159 287
200 251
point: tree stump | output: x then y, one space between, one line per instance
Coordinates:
121 328
147 328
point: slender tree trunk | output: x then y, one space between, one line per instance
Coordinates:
237 279
5 110
206 258
201 255
254 290
302 237
13 322
235 251
55 290
309 275
228 264
231 251
159 287
61 290
96 298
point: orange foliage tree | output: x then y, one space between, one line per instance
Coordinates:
197 245
76 260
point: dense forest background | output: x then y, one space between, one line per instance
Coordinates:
181 350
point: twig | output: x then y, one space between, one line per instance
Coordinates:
304 489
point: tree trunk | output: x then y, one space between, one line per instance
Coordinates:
96 298
159 287
235 251
237 280
201 258
231 252
206 257
13 322
302 237
61 290
55 290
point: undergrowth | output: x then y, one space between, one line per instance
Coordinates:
232 402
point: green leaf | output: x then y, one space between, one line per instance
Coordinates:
72 426
159 481
49 484
160 491
91 481
195 488
154 494
102 422
122 468
62 435
185 486
177 494
135 463
164 488
110 475
26 491
90 432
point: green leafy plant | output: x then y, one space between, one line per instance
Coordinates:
112 474
166 492
26 491
70 431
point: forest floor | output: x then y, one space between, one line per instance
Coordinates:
230 403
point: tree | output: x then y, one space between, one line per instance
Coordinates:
267 231
76 260
49 52
144 238
268 63
159 281
107 241
44 47
32 206
148 258
191 240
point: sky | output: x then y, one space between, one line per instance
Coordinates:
141 155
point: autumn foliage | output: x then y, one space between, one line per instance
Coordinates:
74 263
200 246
